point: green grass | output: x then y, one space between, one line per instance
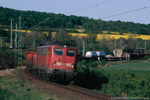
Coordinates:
135 66
128 79
12 88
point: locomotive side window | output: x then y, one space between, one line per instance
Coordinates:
58 51
39 51
70 53
42 51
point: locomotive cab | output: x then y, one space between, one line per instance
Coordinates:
55 61
64 61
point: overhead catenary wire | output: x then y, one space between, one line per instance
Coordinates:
92 6
97 11
37 24
122 13
40 23
125 12
144 3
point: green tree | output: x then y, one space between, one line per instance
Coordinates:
34 39
63 38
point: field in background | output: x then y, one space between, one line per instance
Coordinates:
103 34
114 36
135 66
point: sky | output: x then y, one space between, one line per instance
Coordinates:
137 11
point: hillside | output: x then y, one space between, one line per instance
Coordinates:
31 18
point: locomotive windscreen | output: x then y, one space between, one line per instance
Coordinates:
70 53
58 51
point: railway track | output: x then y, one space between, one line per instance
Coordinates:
65 92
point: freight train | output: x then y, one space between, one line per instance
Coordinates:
52 62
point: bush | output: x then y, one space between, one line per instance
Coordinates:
146 58
103 60
88 77
127 83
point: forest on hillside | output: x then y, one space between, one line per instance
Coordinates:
31 18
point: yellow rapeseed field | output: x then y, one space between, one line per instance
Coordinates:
113 36
104 35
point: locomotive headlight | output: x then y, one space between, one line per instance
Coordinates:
54 64
65 46
72 65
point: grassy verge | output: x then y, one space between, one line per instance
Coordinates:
12 88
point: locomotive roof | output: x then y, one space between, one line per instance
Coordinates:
46 46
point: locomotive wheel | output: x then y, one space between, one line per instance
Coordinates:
62 79
47 77
43 75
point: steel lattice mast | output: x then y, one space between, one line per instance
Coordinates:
16 38
19 44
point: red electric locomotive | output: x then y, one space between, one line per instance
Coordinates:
53 61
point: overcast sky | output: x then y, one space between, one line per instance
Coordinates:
97 9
